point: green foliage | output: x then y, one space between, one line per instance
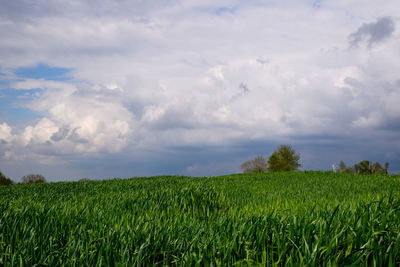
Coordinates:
365 167
269 219
377 168
344 168
257 165
4 180
342 165
33 179
285 158
84 180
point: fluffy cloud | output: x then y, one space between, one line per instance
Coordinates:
5 133
75 120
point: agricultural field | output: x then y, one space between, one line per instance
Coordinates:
274 219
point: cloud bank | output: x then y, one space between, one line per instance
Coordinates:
160 82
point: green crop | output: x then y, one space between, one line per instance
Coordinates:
274 219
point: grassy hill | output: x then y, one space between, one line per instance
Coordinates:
298 218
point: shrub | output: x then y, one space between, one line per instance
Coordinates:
4 180
257 165
33 179
378 169
344 168
365 167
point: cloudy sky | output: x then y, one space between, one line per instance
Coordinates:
108 88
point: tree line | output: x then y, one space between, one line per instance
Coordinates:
285 158
364 167
27 179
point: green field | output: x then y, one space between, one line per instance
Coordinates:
282 219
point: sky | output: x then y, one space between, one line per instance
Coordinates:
104 89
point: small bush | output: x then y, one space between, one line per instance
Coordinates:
344 168
33 179
257 165
4 180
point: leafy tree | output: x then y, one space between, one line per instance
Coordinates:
33 179
365 167
258 165
344 168
284 158
342 165
4 180
377 168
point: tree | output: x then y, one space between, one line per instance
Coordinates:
284 158
365 167
4 180
258 165
344 168
342 165
33 179
377 168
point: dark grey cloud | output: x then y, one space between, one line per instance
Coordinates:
373 33
263 61
377 109
14 9
26 10
391 124
243 90
173 118
75 137
60 135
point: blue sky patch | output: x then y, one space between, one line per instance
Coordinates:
4 81
12 105
316 4
43 71
221 10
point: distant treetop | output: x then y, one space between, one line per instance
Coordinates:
284 158
257 165
364 167
33 179
5 180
